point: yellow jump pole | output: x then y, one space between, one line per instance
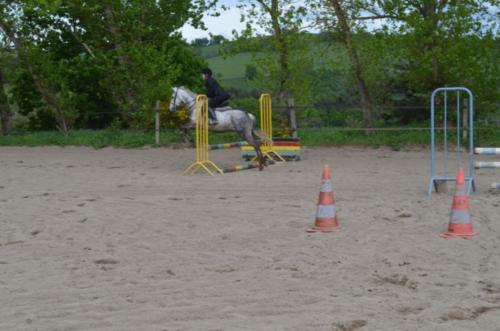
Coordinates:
202 145
266 125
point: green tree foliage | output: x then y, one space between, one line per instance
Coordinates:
83 62
217 40
336 17
428 44
250 72
274 33
200 42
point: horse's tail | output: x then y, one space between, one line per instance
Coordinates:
257 132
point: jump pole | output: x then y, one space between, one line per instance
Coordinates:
488 164
202 147
228 145
487 150
241 167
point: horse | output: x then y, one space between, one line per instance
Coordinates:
228 119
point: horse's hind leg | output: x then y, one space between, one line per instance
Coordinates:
248 136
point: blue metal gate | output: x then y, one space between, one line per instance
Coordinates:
469 162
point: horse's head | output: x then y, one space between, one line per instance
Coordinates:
175 100
182 96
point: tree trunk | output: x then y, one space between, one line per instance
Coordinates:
284 55
125 99
353 56
282 47
5 113
430 11
50 98
47 94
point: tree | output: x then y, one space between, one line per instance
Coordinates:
217 39
5 112
145 42
335 16
21 34
200 42
283 21
275 33
87 56
250 72
446 42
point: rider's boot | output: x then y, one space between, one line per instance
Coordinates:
212 116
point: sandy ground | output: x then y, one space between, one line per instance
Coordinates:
119 240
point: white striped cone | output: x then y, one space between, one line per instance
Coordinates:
326 213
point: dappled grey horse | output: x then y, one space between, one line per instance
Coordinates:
228 120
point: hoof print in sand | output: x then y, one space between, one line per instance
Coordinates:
410 310
105 263
462 314
490 289
396 279
349 325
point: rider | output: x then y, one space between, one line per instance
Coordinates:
216 95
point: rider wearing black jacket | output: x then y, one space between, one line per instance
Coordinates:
216 95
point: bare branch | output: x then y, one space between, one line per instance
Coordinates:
377 17
266 7
87 48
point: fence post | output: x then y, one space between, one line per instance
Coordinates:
293 118
157 122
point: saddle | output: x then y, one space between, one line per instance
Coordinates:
223 108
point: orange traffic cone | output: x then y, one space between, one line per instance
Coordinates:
460 225
326 218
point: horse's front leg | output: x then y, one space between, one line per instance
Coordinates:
186 137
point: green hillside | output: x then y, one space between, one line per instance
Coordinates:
230 68
230 71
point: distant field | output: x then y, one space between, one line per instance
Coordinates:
230 71
209 51
230 68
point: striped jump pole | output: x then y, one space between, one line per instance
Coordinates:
228 145
487 165
202 146
240 167
266 125
487 150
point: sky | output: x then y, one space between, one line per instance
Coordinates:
229 20
224 24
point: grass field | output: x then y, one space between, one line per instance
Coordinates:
230 68
308 136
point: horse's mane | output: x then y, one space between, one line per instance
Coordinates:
185 89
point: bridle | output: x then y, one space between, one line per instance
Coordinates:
175 100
